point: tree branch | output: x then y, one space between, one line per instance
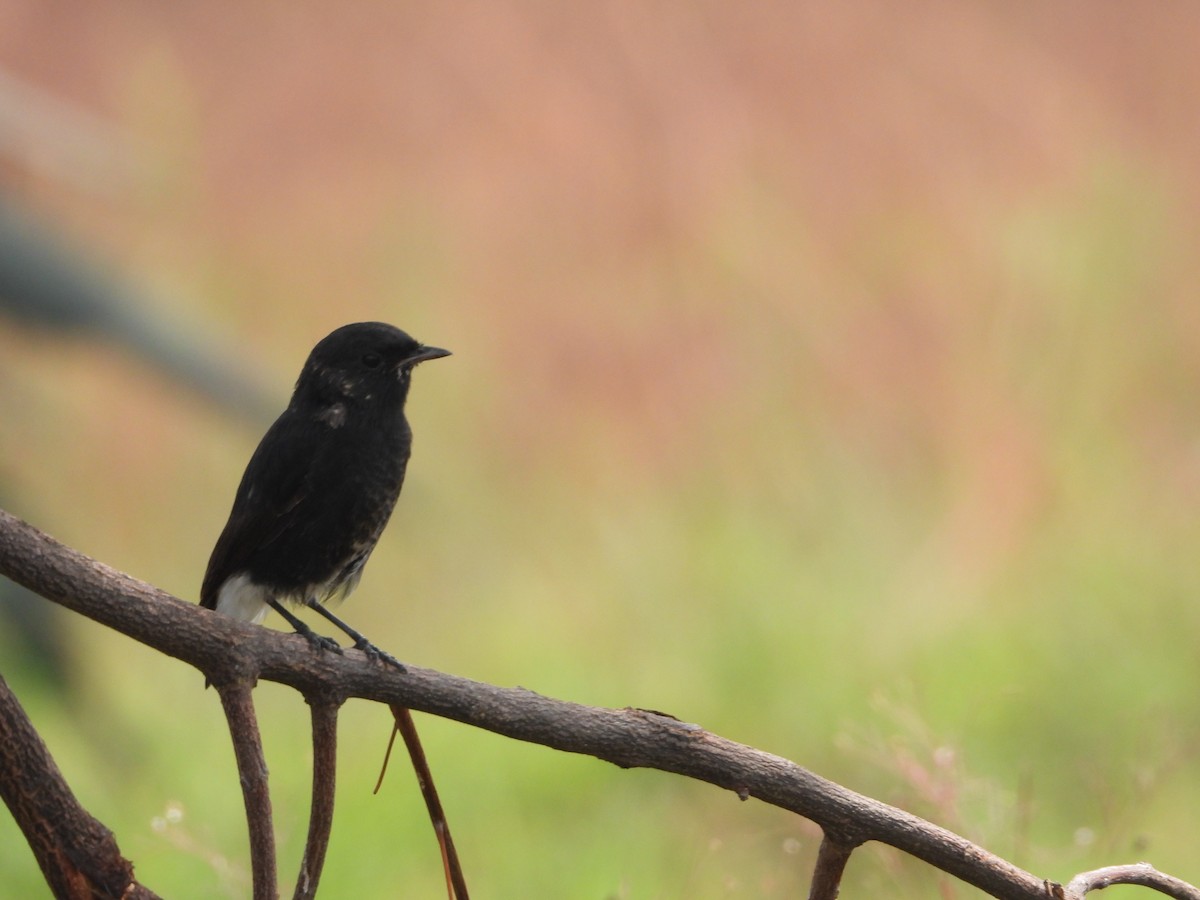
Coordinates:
1142 874
77 854
831 863
223 648
238 701
320 817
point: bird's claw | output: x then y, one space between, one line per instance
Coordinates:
374 654
322 644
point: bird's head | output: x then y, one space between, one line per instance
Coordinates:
367 362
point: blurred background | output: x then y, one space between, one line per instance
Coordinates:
823 373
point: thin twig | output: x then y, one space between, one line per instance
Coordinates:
238 702
831 863
1142 874
387 757
437 816
320 820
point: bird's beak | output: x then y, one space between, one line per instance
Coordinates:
423 354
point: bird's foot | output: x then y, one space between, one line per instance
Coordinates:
374 654
319 642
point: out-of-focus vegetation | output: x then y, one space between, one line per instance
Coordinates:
824 373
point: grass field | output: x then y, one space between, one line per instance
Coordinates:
825 374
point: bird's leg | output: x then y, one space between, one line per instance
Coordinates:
360 641
318 642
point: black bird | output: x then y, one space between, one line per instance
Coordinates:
321 486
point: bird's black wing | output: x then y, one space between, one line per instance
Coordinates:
274 487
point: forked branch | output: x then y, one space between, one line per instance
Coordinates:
220 647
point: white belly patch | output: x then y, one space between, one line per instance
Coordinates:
240 598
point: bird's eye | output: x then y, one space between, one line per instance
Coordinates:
372 360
